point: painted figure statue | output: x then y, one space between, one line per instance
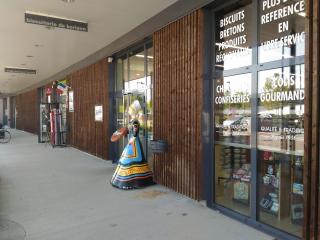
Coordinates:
133 170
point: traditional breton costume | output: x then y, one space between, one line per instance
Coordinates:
132 171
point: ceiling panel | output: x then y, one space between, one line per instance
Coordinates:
49 51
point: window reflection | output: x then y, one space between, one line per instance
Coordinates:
233 177
122 73
149 103
281 109
233 37
279 119
232 136
281 30
136 79
233 109
280 139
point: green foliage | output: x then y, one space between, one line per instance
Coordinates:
269 88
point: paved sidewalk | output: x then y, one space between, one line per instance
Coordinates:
64 194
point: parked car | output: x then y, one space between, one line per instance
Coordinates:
240 125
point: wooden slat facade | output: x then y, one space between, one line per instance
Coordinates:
90 87
12 112
27 106
312 128
178 104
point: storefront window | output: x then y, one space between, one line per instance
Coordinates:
258 109
232 138
233 109
149 97
233 177
136 71
234 37
120 77
280 143
281 29
281 110
120 102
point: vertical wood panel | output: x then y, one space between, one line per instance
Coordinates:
178 104
90 86
315 123
12 111
311 138
27 111
315 116
200 90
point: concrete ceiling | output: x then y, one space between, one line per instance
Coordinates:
50 51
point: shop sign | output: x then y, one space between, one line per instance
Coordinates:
53 21
98 113
48 91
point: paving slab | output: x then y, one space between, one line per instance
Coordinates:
65 194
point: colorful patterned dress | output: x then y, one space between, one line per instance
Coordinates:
132 171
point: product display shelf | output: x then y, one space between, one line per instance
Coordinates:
245 202
275 186
241 176
297 190
234 173
225 164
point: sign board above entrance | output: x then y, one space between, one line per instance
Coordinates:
54 21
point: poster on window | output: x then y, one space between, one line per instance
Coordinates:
98 113
71 107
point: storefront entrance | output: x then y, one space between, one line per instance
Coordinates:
134 76
133 108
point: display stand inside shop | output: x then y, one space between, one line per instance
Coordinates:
53 114
281 191
52 126
236 169
44 128
57 129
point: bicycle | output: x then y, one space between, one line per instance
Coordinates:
5 136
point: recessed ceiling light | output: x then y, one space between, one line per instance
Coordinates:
29 56
38 45
68 1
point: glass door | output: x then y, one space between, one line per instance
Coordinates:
133 97
132 107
